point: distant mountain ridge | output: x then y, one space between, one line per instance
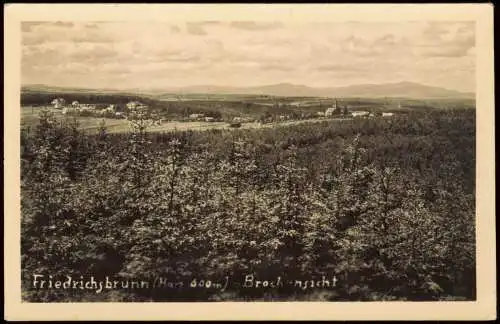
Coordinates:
400 89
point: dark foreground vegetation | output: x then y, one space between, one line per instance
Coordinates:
385 205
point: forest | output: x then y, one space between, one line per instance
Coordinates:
385 205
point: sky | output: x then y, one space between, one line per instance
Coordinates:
160 55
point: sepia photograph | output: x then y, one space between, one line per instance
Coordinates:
247 158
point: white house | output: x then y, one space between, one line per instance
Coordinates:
58 103
360 113
387 114
196 116
136 105
75 103
330 111
209 119
87 107
68 110
131 105
320 113
111 108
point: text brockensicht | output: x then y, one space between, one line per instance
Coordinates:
249 281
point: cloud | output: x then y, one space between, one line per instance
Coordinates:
446 40
92 26
37 26
76 68
247 52
209 23
277 67
357 46
93 54
252 25
28 26
63 24
338 68
41 56
48 32
116 69
93 37
449 50
383 46
195 29
53 55
175 29
176 57
386 40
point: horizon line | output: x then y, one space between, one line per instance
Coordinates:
240 87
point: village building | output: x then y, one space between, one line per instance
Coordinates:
209 119
136 105
247 119
332 110
387 114
69 110
111 108
132 105
196 116
360 114
87 107
75 103
58 103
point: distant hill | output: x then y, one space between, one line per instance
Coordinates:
41 88
401 89
390 90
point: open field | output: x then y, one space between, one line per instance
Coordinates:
226 107
29 116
